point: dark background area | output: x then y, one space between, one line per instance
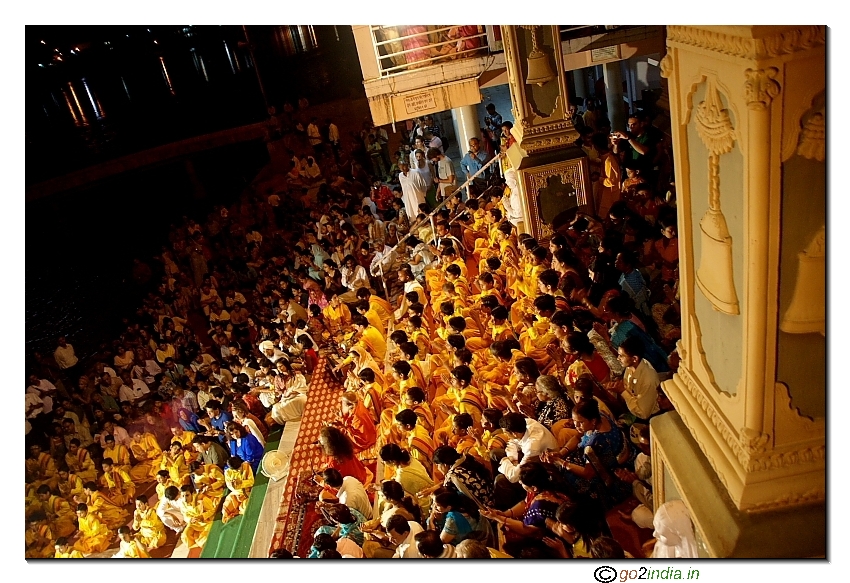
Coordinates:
96 93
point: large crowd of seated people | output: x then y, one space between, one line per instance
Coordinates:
497 387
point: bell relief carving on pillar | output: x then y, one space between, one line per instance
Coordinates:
807 311
714 274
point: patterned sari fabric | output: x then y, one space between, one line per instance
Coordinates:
607 446
467 482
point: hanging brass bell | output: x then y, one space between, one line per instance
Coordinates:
539 69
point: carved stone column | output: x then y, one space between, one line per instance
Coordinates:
745 448
553 175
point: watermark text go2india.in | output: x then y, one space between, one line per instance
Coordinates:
607 574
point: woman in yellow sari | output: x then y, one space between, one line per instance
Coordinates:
117 452
80 462
41 469
360 359
185 439
464 398
94 536
418 441
239 478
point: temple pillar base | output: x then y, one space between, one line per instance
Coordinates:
682 471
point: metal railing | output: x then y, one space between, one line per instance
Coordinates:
430 218
398 49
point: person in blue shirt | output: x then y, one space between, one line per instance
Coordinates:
473 161
218 419
493 121
245 445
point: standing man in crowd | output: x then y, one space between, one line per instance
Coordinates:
333 138
473 161
493 121
445 177
67 360
413 189
314 136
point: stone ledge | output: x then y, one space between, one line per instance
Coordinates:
723 530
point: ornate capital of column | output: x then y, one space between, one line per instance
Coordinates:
666 66
760 87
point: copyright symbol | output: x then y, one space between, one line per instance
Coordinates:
605 574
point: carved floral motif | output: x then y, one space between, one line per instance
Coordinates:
666 66
760 87
790 41
813 137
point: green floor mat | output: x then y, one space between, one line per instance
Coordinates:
233 540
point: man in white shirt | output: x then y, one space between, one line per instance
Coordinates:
271 352
419 145
527 436
385 257
435 142
413 189
405 276
528 439
133 390
209 296
421 166
402 532
639 386
45 390
147 372
67 359
314 136
233 297
289 310
35 417
445 177
72 430
119 433
354 276
349 491
333 138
